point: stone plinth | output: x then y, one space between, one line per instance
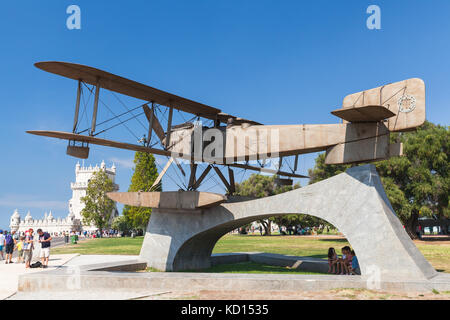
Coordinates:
354 202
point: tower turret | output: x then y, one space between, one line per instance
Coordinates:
15 221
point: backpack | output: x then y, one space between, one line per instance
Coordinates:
8 239
37 264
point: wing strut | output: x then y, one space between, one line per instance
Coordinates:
94 115
169 126
163 172
224 180
77 107
150 123
192 179
201 178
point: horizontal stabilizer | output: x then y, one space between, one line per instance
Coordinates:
364 114
406 99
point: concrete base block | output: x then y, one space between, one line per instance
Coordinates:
354 202
98 281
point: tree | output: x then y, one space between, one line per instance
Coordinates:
144 175
322 171
422 175
259 186
122 223
416 184
98 206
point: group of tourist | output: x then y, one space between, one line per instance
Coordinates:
346 264
283 230
24 244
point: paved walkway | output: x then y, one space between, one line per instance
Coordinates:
72 261
9 273
82 260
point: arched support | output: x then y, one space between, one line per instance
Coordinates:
354 202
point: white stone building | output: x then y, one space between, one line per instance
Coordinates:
74 219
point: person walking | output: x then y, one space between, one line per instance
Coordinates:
45 241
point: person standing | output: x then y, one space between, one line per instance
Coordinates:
9 247
19 246
2 243
28 248
44 240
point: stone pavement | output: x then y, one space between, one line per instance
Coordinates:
9 273
86 262
96 277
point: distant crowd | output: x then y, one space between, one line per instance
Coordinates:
90 234
283 230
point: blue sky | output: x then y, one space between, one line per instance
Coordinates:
276 62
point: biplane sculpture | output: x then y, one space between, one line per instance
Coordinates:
367 119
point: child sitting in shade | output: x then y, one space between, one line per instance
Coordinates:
333 261
354 267
346 260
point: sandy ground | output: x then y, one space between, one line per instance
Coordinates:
337 294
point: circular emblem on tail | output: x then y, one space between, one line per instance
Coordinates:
406 103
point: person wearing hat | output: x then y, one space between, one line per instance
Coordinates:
28 248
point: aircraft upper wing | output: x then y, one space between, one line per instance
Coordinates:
132 88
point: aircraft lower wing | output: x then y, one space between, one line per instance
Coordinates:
101 142
134 147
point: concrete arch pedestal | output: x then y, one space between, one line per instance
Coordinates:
354 202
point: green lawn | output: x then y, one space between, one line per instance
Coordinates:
123 246
438 253
316 247
246 267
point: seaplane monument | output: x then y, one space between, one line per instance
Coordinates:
186 224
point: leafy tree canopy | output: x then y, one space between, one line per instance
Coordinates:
98 207
122 223
416 184
145 173
259 186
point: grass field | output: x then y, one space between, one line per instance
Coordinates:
252 267
437 252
